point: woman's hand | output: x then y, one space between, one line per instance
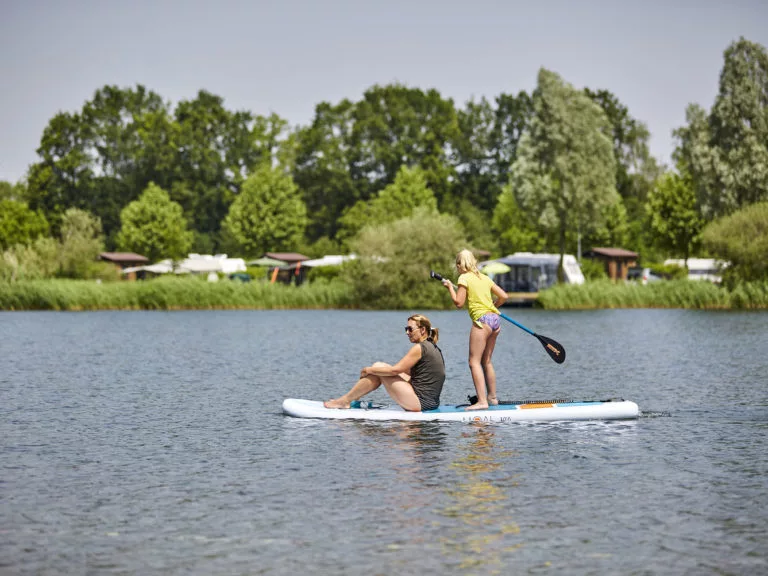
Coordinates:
365 371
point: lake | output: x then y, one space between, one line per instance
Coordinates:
154 443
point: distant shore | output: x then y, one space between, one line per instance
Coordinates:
192 294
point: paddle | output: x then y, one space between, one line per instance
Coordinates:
553 348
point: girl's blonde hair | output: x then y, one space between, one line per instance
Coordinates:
432 333
466 262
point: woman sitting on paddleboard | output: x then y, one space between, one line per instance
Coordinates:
477 291
415 382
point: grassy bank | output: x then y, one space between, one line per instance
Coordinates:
169 294
671 294
193 294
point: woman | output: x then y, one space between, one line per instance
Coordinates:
477 291
415 382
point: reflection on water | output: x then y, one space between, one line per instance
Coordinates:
485 528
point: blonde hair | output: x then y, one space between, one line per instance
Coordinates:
432 333
466 262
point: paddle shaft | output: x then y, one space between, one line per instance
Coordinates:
553 348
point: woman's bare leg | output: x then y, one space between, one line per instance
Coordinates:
361 388
477 341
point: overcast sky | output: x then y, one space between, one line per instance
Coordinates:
285 56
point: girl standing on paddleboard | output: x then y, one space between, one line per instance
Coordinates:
477 291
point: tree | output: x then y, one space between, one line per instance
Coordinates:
154 226
324 170
19 224
398 200
486 148
726 152
81 243
269 213
742 240
565 172
636 172
674 218
10 191
515 233
394 259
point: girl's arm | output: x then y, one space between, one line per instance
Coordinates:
459 296
501 296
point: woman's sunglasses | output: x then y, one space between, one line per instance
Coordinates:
409 329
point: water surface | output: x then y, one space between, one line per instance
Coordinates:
153 443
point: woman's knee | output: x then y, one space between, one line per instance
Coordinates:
379 365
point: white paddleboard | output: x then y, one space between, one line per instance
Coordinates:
539 411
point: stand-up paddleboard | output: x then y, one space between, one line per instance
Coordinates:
541 411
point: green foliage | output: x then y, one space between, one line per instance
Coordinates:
486 149
268 215
564 176
726 152
475 222
614 231
324 273
515 231
171 293
154 226
636 170
323 246
669 271
10 191
398 200
742 240
593 270
394 260
674 217
19 224
663 294
37 260
81 244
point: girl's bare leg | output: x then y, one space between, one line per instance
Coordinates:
477 342
488 369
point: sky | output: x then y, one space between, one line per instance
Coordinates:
286 56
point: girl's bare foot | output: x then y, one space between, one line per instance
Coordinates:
493 401
336 403
478 406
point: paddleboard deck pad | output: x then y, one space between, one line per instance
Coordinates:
533 411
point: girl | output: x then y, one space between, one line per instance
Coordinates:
477 291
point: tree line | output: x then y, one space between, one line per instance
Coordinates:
552 170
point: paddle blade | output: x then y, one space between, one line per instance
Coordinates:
554 349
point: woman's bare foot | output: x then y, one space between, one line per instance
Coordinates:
336 403
493 401
478 406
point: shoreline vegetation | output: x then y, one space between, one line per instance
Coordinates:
194 294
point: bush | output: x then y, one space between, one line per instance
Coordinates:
742 240
394 260
593 270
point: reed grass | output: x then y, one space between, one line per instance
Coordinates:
188 293
169 294
668 294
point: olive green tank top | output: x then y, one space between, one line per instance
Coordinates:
428 375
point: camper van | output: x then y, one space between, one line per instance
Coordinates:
530 273
701 268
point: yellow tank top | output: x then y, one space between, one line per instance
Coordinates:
479 295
